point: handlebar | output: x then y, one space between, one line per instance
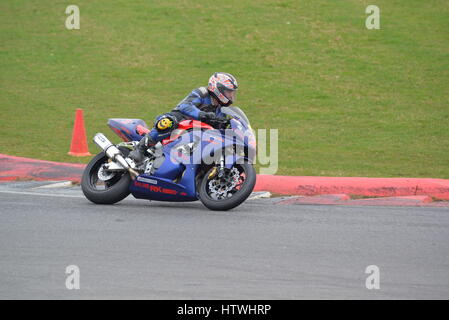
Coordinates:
219 123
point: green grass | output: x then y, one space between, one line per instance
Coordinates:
347 101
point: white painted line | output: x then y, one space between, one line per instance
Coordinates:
262 194
41 194
256 196
62 184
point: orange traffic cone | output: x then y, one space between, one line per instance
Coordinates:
79 148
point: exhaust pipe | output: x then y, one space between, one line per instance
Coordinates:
113 153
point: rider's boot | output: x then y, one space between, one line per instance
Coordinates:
139 153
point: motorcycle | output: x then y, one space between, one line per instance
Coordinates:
213 164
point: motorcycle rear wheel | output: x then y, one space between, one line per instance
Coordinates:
110 191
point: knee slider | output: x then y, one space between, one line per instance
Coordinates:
165 123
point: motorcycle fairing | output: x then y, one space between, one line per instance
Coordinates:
162 189
128 129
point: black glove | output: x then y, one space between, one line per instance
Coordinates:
213 120
205 116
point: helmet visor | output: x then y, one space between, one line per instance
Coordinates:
230 94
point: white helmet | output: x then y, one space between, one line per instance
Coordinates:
223 87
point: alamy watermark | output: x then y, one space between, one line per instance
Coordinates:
373 280
73 20
373 20
72 281
234 146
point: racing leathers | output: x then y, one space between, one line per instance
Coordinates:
198 105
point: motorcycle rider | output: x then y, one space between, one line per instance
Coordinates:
203 103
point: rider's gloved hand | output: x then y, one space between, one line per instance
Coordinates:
207 116
213 120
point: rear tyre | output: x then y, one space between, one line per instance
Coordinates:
227 193
109 190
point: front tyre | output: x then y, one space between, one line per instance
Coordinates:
102 187
229 191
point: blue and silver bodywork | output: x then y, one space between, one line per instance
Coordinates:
175 179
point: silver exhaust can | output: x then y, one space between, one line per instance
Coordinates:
113 152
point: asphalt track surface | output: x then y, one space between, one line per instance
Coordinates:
152 250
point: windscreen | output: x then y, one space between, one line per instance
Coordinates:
235 112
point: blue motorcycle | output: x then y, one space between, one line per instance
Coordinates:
213 164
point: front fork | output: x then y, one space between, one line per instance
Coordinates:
220 170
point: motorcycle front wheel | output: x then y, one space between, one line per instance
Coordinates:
230 190
102 187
